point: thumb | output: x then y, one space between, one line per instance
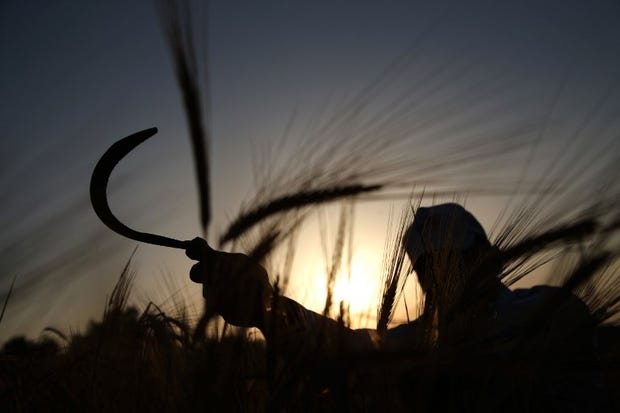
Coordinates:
198 249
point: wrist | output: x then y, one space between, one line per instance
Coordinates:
266 311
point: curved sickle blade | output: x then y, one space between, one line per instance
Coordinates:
98 191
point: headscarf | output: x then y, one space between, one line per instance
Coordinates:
444 227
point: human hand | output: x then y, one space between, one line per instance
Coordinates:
234 285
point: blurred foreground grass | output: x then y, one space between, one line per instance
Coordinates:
146 360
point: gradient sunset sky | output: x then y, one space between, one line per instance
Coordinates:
76 76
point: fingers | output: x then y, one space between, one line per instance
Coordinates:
217 265
198 249
198 273
233 285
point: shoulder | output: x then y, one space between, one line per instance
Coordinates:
550 306
403 336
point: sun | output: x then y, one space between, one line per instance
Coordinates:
359 289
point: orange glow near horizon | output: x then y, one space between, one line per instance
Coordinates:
359 289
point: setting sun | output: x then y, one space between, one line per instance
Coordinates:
359 289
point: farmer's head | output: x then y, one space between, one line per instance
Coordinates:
446 245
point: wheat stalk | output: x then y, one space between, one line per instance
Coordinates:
297 200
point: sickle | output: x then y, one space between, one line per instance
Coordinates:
98 191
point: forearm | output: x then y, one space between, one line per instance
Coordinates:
237 287
303 335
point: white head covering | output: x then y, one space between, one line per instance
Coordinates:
443 227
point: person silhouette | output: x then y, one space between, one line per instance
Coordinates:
457 268
467 311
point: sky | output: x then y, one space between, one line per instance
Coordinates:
77 76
